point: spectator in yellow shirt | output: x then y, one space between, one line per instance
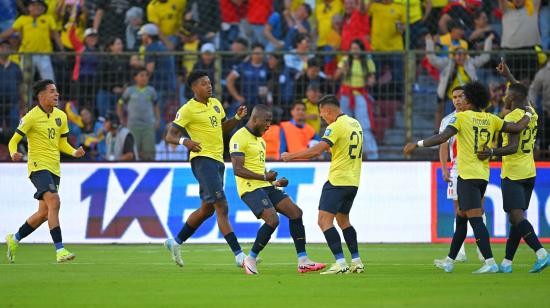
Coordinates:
37 29
324 12
167 15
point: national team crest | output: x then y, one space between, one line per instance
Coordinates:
217 109
58 122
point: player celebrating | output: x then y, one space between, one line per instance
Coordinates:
518 180
449 149
344 137
474 129
46 129
256 188
203 118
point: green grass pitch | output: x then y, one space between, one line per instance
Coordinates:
397 275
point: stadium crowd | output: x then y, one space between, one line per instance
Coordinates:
121 65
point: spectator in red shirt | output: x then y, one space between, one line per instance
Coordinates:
257 15
232 11
356 24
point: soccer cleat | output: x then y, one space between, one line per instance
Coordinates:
507 269
357 267
249 265
487 269
447 266
12 245
540 264
310 266
64 255
239 259
175 251
337 268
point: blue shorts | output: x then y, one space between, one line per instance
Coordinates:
44 181
210 173
337 199
263 198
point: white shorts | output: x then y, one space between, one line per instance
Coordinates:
451 187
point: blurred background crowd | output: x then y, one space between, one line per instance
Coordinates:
121 65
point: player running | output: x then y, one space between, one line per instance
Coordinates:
449 149
203 117
344 138
474 129
518 179
256 187
46 129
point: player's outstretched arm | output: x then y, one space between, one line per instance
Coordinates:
12 146
431 141
175 136
229 125
511 148
314 151
517 127
242 172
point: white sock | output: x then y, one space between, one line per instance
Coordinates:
449 260
462 251
541 253
356 260
341 261
58 250
303 259
490 261
506 262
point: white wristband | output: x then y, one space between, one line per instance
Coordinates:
420 144
530 115
265 177
182 139
74 153
237 117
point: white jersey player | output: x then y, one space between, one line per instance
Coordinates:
449 150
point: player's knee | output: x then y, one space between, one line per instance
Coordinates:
272 220
295 213
343 223
207 212
43 214
222 210
515 217
53 202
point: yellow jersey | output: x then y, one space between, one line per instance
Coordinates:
520 165
35 33
44 132
323 15
203 123
461 79
313 109
384 34
345 137
167 15
245 143
475 130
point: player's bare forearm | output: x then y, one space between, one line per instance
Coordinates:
443 154
510 148
127 156
229 125
173 135
242 172
314 151
440 138
517 127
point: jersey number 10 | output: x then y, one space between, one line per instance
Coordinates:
51 133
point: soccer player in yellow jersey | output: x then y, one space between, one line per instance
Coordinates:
344 138
475 129
203 118
518 179
46 129
256 187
